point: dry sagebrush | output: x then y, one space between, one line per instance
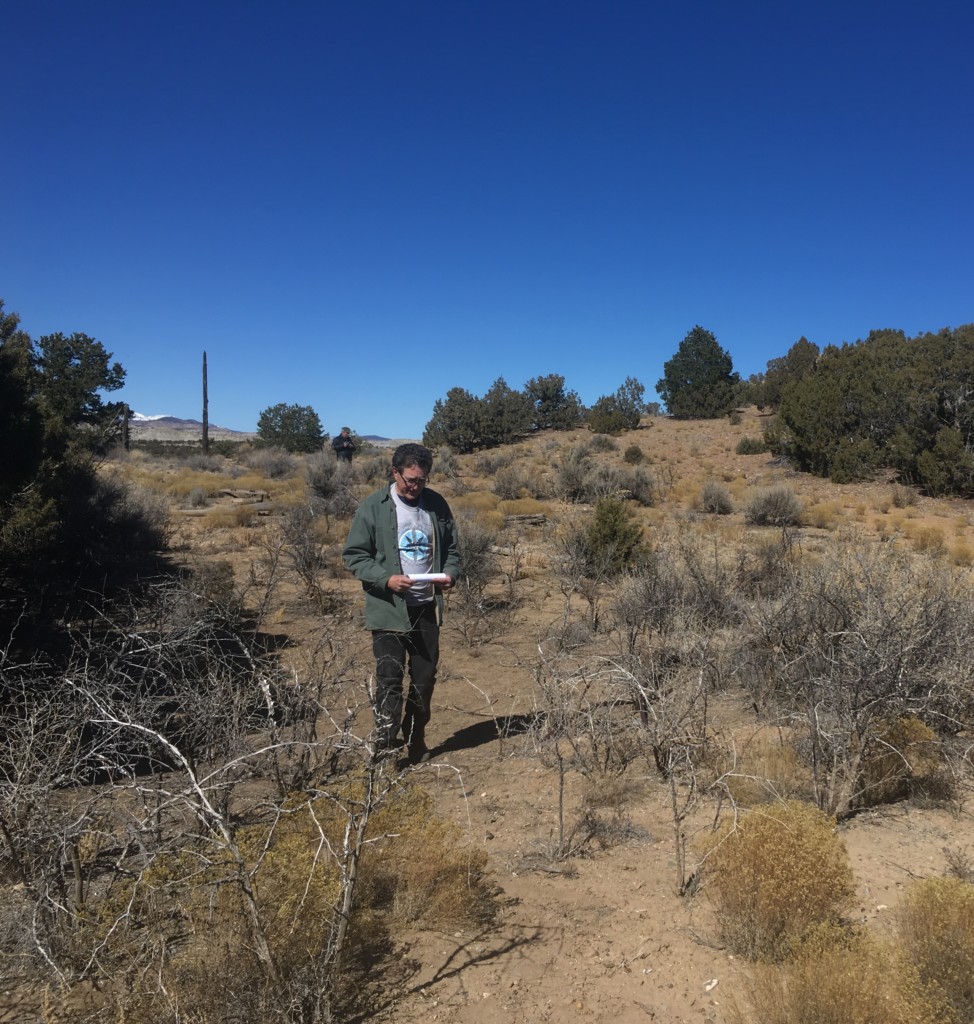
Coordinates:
775 875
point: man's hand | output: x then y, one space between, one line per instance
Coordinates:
447 584
399 584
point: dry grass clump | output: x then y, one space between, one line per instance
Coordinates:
252 481
422 871
776 875
523 507
775 506
751 446
177 484
765 768
936 929
839 978
962 554
229 517
902 497
482 505
925 539
824 515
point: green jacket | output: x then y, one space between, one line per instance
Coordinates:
371 552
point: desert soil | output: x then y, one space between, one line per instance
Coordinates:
603 937
606 936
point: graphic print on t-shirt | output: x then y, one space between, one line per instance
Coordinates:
414 546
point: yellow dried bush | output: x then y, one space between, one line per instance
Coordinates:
229 516
434 877
476 501
962 554
840 977
524 507
927 539
825 515
780 872
936 929
905 750
185 919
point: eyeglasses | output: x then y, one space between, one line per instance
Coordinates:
412 481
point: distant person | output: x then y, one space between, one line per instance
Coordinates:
400 532
344 445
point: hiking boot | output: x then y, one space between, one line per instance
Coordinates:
419 753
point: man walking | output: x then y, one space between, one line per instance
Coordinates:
403 547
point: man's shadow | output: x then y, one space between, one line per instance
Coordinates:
481 733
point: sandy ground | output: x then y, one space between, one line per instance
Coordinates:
602 937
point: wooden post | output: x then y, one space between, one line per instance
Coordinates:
126 413
206 413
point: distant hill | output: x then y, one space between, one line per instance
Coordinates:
172 428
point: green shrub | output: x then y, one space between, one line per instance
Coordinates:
614 539
633 455
605 418
751 446
778 874
855 460
777 438
295 428
776 506
611 414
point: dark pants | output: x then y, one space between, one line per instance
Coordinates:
421 646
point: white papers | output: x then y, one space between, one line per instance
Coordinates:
428 577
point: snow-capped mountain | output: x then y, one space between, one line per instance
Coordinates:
162 428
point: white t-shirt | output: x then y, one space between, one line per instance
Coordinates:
414 530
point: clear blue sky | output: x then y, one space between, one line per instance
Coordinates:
358 205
